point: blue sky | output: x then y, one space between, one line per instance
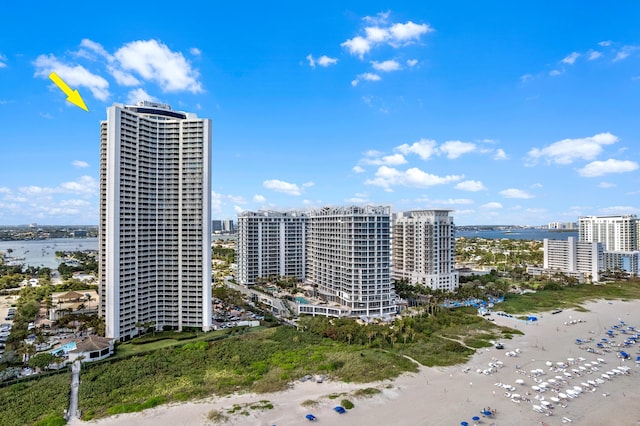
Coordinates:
506 112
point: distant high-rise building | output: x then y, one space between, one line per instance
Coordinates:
618 233
271 244
562 225
424 249
155 220
224 226
349 260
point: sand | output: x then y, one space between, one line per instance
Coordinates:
448 396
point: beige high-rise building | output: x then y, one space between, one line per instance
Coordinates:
424 249
155 220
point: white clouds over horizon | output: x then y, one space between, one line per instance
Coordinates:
515 193
286 187
566 151
600 168
387 177
133 64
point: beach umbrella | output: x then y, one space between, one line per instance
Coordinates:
601 360
475 418
464 423
549 363
520 382
554 399
545 403
562 395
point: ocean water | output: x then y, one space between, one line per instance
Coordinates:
519 234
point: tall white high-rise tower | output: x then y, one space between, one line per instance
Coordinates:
155 219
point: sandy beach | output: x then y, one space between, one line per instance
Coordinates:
571 388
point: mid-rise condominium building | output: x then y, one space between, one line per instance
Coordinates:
424 249
271 244
618 233
155 220
579 259
349 261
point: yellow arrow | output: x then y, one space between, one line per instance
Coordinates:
72 95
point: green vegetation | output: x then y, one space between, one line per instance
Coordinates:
262 361
366 392
557 297
347 404
41 400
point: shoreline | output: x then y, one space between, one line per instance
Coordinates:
450 395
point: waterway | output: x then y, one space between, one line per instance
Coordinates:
519 234
43 252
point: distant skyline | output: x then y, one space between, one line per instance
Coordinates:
517 113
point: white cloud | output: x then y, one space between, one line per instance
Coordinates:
571 58
454 149
139 94
282 186
238 209
366 76
624 52
122 78
408 32
515 193
79 163
3 60
606 185
386 160
599 168
491 206
386 66
85 185
259 198
386 177
526 77
96 48
412 62
619 210
308 184
471 185
154 61
357 46
75 76
500 154
323 61
594 54
358 169
554 73
195 51
4 190
568 150
452 201
605 43
380 18
424 148
377 34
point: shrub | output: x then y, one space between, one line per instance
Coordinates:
347 404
